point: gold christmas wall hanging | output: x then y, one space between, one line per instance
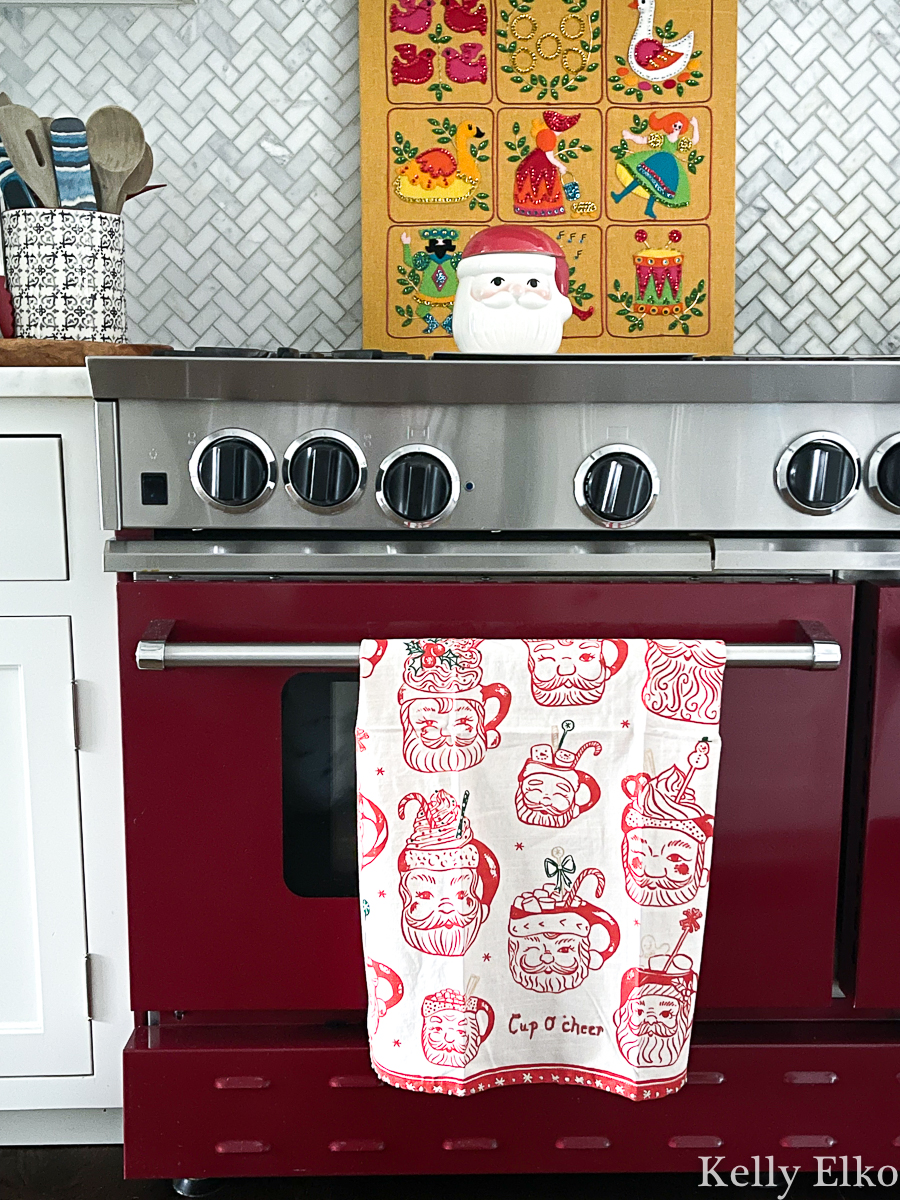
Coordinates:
609 128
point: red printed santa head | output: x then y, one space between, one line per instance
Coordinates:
684 680
513 293
572 671
443 706
654 1018
454 1024
666 835
552 791
556 938
447 878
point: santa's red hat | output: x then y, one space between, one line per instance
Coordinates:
545 910
441 840
509 240
680 977
449 1000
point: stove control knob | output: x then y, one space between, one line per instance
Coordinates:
818 473
417 485
233 470
324 469
616 486
883 473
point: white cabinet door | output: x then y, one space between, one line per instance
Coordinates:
32 512
44 1023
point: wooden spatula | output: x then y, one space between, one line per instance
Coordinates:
116 145
28 148
138 179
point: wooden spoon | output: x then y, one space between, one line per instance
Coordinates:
116 145
138 179
28 148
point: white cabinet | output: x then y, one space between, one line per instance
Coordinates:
32 515
62 871
44 1025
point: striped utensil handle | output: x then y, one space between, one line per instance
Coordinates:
12 186
68 144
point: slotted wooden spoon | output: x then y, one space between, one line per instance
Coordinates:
28 148
116 145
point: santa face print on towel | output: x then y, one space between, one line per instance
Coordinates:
666 835
447 878
454 1024
566 672
552 791
443 706
556 938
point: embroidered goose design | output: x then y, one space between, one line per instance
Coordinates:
435 176
650 58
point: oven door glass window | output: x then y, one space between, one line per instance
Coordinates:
318 773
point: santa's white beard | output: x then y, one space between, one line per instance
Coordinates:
445 940
566 692
683 686
651 1044
479 328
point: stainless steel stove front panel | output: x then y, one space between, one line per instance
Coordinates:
517 462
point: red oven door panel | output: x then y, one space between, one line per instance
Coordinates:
212 923
878 947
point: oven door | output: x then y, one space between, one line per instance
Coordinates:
240 789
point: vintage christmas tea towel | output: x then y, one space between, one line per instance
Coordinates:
535 831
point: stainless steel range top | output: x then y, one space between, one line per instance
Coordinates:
562 446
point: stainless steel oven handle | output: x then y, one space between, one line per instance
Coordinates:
817 652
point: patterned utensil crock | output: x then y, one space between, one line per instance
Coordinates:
66 273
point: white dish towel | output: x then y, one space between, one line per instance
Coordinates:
535 832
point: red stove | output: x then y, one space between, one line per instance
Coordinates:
270 514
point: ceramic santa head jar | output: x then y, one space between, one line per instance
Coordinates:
513 293
653 1021
447 878
454 1025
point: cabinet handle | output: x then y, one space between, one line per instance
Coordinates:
818 651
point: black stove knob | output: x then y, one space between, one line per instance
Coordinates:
233 470
818 473
884 473
616 486
417 485
324 471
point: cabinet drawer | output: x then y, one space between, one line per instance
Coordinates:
32 509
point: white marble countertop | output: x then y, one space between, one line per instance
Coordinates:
67 382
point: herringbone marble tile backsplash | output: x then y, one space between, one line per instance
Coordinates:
252 110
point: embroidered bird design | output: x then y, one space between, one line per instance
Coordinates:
411 16
650 58
461 16
438 175
463 66
411 65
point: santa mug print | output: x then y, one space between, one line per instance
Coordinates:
552 791
447 878
454 1024
443 706
571 671
557 937
513 293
